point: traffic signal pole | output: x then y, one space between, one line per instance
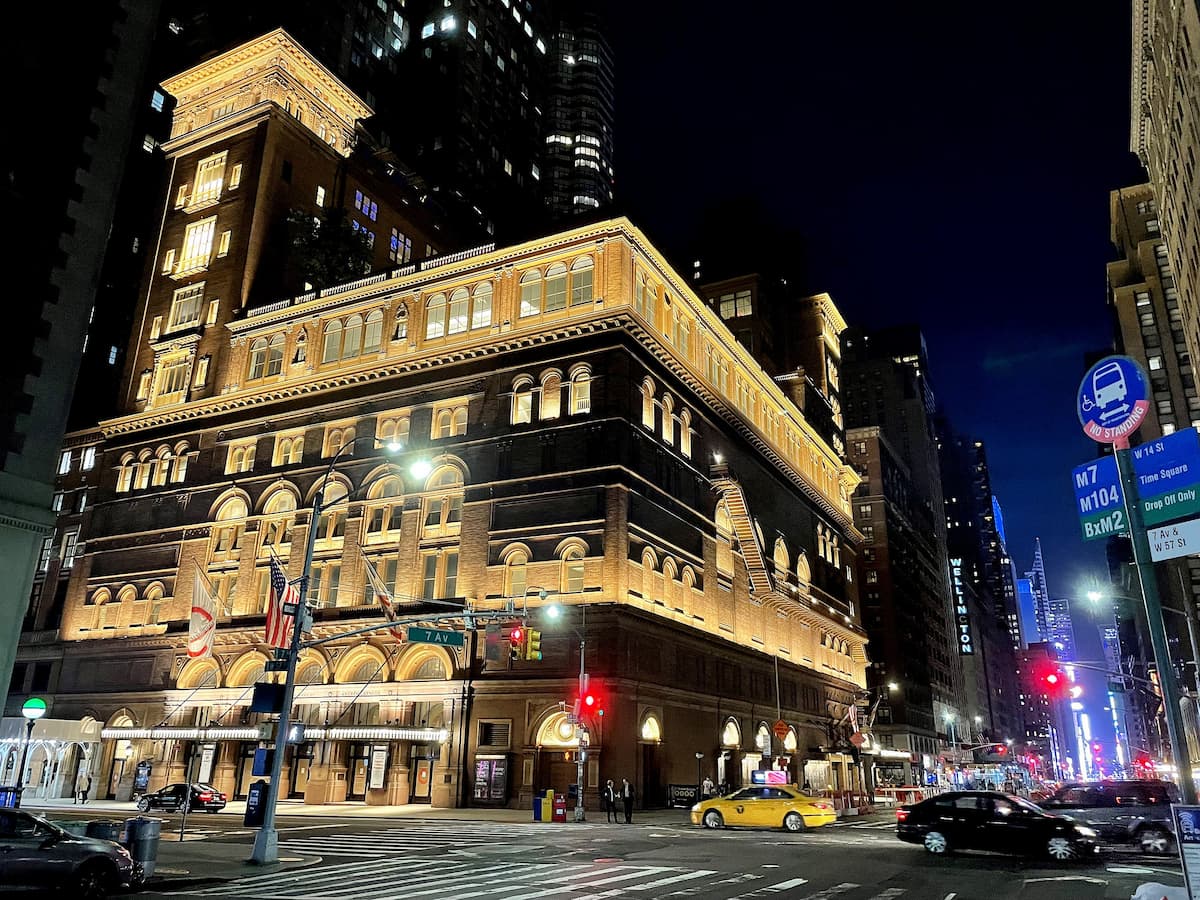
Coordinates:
1156 626
579 817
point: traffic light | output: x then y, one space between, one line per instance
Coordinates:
491 643
1053 681
591 697
533 644
1097 748
516 647
999 749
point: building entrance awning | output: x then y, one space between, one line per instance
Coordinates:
12 730
264 732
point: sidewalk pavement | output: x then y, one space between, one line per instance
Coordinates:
63 808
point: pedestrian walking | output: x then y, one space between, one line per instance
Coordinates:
627 799
706 789
80 786
84 786
610 802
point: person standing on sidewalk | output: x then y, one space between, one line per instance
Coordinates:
80 787
87 788
627 799
610 802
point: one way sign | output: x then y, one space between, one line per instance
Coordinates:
1171 541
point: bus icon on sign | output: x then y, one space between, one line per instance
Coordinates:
1108 385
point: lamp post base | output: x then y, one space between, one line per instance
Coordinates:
266 847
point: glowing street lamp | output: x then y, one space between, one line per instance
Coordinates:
34 709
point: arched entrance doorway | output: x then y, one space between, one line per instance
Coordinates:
650 737
557 746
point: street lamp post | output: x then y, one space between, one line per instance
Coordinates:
34 709
699 779
266 841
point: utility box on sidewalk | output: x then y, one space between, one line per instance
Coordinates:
560 808
141 838
256 805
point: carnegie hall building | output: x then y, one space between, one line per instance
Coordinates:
563 421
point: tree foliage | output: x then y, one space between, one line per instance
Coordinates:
327 251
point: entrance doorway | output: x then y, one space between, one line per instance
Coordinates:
422 775
302 757
652 786
245 770
357 766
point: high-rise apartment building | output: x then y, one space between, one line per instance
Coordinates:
1165 135
580 115
564 415
59 193
1060 628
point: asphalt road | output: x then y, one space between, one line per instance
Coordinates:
462 860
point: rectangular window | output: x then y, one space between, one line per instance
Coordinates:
223 244
289 448
168 261
143 390
64 462
70 547
197 245
173 377
1156 363
57 503
88 460
201 372
399 247
44 557
235 176
181 196
429 578
320 197
214 307
157 100
112 355
185 306
210 178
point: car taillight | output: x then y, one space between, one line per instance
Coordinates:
823 805
206 796
901 814
223 797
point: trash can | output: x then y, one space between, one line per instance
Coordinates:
141 840
104 829
8 796
537 807
78 828
560 808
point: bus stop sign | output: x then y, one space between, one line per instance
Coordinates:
1113 400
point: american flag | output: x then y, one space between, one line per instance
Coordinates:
279 626
384 597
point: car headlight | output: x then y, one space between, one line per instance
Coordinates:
696 808
1084 831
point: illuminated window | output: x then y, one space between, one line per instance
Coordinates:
87 460
173 375
531 293
223 243
685 433
481 307
210 177
266 357
197 245
352 334
581 390
235 176
581 281
392 430
457 320
439 576
551 405
240 457
516 573
338 439
572 570
648 404
331 349
450 422
668 419
185 306
556 288
168 261
522 400
399 247
373 335
435 317
289 449
64 462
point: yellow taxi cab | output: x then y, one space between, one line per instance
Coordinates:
765 806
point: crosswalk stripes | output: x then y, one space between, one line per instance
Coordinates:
391 841
448 879
878 826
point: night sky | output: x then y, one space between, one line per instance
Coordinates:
944 163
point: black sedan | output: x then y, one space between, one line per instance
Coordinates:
174 797
36 855
989 820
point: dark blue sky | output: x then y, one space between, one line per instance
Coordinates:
945 163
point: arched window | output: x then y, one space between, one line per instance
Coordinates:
639 294
685 433
459 301
572 570
551 405
803 569
458 421
331 350
581 390
384 506
125 473
731 734
724 540
531 293
556 288
782 560
282 501
481 309
352 337
373 337
162 466
669 573
431 669
516 573
648 404
435 317
668 419
581 281
688 578
179 463
144 465
443 506
442 425
276 528
651 730
522 400
368 670
231 510
275 355
401 331
393 432
310 672
258 358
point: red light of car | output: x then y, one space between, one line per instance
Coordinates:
822 805
205 796
901 814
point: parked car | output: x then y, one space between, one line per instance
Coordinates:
37 855
1126 812
990 820
769 806
173 798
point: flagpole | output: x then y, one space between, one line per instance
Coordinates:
266 841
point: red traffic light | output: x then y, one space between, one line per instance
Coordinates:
589 700
1000 749
516 634
1052 679
1096 747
